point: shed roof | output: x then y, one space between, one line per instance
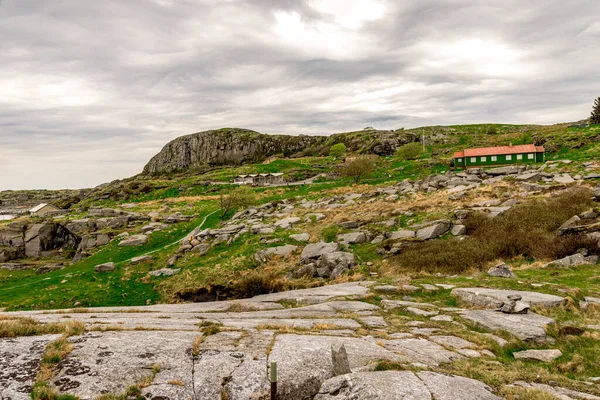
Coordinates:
493 151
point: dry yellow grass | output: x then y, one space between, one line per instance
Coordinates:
21 326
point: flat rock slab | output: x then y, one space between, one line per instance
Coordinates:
451 387
493 298
421 351
538 355
20 364
529 327
453 342
403 385
319 294
109 362
382 385
305 361
556 391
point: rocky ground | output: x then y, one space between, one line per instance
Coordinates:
331 342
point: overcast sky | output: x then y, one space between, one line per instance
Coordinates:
90 90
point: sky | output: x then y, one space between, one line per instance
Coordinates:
90 90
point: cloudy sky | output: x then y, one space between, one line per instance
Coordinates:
90 90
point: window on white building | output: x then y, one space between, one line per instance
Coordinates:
483 159
530 156
508 157
519 156
473 159
494 158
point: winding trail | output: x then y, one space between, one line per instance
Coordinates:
119 262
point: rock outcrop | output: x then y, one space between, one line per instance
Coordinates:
230 146
40 239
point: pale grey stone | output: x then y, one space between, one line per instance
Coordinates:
563 178
421 351
165 272
140 259
419 312
400 234
134 240
386 289
458 230
20 363
502 271
453 341
373 322
304 362
433 231
316 250
381 385
496 297
106 267
527 327
442 318
287 223
451 387
538 355
395 304
352 238
339 359
557 391
301 237
348 225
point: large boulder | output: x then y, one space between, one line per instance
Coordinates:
401 234
315 250
434 230
106 267
282 251
332 265
13 234
134 240
573 260
501 271
47 237
352 238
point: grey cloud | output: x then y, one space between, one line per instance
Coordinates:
90 90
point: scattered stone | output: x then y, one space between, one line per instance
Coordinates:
420 313
573 260
165 272
141 259
538 355
352 238
495 298
556 391
316 250
429 288
134 240
442 318
301 237
451 387
287 223
348 225
459 230
528 327
400 235
433 231
391 289
106 267
563 179
502 271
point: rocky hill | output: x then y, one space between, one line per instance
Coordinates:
232 146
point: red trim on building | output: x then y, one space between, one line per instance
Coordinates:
499 150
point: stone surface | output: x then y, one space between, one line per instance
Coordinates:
494 298
339 359
458 230
20 363
557 391
134 240
421 351
301 237
316 250
538 355
433 231
287 223
527 327
352 238
450 387
501 271
401 234
106 267
382 385
164 272
140 259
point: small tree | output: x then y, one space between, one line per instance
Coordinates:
239 197
595 117
409 151
337 150
360 167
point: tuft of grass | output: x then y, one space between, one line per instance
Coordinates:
22 326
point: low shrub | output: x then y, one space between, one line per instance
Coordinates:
409 151
527 230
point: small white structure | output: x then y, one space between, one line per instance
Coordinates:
44 209
275 178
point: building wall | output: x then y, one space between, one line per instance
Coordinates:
501 159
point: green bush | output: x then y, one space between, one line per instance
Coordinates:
337 150
409 151
360 167
527 230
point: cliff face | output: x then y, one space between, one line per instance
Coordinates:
230 146
225 147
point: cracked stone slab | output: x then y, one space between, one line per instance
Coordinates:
109 362
20 363
529 327
557 391
493 298
452 387
318 294
421 351
304 361
382 385
453 342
